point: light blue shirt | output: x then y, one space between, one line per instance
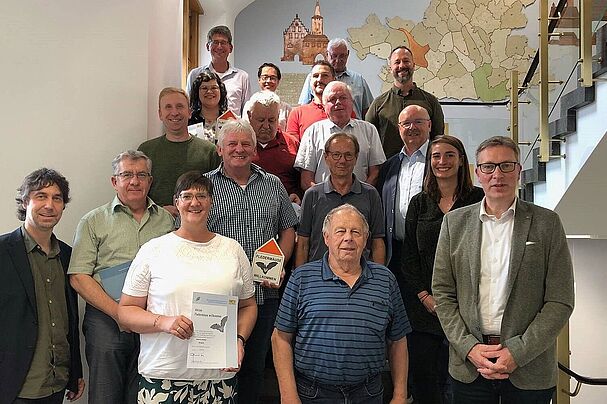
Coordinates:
410 182
360 91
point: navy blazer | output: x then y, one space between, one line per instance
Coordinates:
19 317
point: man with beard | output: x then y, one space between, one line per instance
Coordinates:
305 115
384 110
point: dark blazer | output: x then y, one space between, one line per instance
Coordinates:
18 317
539 296
387 184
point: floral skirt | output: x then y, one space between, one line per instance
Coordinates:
156 391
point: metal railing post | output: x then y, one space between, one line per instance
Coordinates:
586 42
563 355
514 105
544 156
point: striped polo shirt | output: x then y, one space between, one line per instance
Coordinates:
341 332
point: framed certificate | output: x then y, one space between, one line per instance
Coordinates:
213 343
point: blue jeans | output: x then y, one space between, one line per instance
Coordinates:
250 376
312 392
112 358
483 391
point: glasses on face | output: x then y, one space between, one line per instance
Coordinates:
201 197
127 175
337 155
505 167
416 122
265 77
219 42
208 89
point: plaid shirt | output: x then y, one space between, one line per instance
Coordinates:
252 215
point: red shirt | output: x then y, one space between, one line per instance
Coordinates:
278 158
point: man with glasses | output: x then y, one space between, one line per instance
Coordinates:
340 152
107 237
385 108
268 76
337 101
401 178
503 284
219 45
337 55
176 152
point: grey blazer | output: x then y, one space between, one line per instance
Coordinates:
539 299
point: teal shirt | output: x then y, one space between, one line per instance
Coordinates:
109 235
171 159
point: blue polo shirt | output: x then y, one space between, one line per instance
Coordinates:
341 332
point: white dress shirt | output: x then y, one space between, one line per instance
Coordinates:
496 244
410 182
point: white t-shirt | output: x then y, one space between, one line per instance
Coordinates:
168 270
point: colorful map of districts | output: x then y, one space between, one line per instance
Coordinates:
462 49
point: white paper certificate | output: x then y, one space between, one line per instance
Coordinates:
213 343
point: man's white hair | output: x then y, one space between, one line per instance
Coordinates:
337 42
236 126
265 98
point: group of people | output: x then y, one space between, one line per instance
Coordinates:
392 254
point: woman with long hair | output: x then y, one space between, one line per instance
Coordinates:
447 186
208 101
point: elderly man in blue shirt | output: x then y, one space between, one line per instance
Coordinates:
337 55
341 312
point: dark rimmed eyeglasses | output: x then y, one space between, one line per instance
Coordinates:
337 155
505 167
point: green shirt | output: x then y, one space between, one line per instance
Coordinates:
49 370
109 235
171 159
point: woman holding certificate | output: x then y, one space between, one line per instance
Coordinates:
177 295
447 186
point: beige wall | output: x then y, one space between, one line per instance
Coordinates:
79 84
80 81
